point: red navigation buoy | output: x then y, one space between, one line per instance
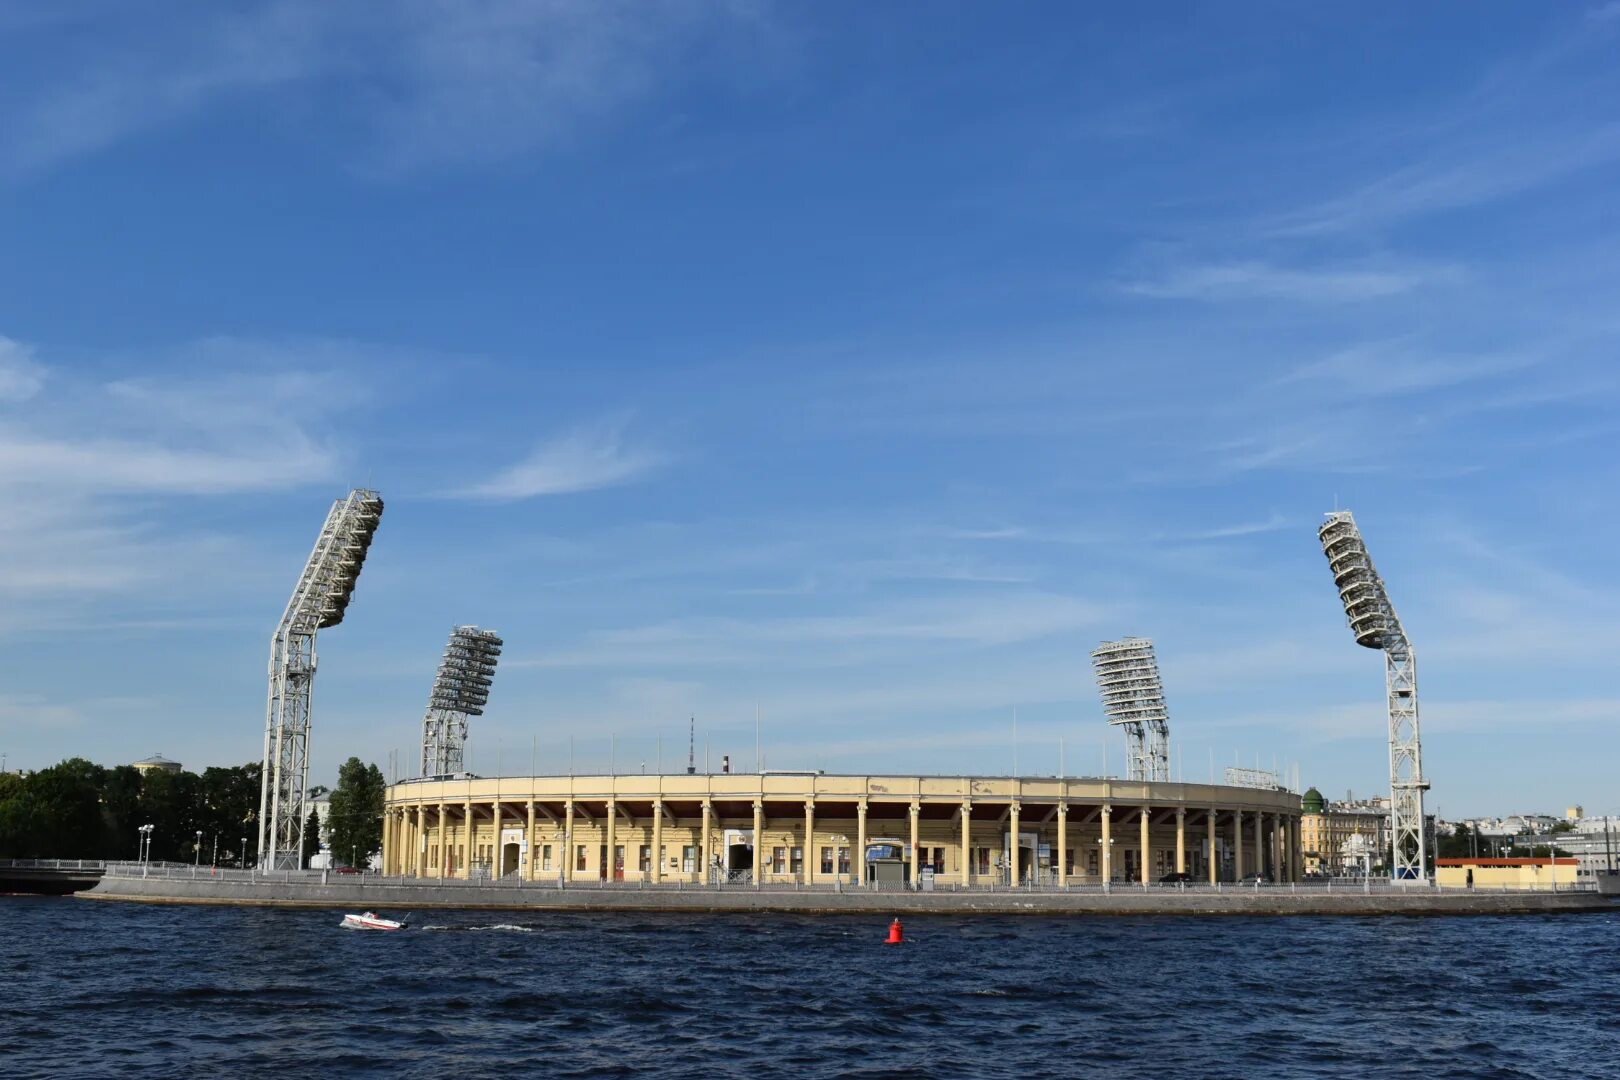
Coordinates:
897 934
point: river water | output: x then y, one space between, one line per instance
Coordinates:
129 990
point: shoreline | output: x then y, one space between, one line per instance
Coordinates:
393 895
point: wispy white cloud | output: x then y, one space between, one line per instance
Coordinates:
1321 284
587 458
83 461
1376 369
20 376
425 82
1002 618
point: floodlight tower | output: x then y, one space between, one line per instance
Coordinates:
318 601
1133 698
460 690
1376 626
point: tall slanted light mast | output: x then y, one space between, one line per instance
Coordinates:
460 690
318 601
1376 626
1133 698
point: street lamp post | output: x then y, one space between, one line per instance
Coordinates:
243 849
146 844
196 852
214 859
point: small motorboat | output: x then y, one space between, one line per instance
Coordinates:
370 920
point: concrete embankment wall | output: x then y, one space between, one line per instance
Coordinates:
394 897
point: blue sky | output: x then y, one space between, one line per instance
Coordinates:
848 366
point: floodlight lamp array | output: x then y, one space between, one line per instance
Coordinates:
466 672
1128 677
357 523
1366 602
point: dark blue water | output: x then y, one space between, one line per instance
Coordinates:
99 989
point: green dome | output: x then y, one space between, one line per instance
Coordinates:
1313 802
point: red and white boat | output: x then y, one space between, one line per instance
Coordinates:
370 920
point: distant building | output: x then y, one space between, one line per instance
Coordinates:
1341 839
320 802
1505 873
1591 846
1574 813
155 763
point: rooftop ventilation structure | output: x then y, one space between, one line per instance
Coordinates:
1133 699
319 600
460 690
1373 621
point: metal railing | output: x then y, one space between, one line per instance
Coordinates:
52 864
1369 886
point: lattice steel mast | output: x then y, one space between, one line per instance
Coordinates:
1133 698
318 601
460 690
1373 620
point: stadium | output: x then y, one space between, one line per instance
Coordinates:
780 828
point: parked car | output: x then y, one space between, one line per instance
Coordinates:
1176 877
348 870
1256 879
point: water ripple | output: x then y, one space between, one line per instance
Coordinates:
97 989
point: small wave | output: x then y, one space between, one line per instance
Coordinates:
512 928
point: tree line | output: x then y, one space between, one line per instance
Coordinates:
77 809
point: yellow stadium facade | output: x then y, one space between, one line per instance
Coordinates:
813 829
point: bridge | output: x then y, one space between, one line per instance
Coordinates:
50 877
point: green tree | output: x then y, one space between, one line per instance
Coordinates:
312 836
230 810
61 816
354 825
120 811
171 803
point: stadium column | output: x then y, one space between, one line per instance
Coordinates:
1237 845
916 813
1299 852
611 869
1107 843
471 831
1214 863
657 860
706 841
530 847
809 841
1147 842
1181 839
967 842
416 842
858 863
759 840
496 861
1062 852
444 842
1259 850
1012 826
568 841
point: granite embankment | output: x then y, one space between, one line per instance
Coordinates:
394 894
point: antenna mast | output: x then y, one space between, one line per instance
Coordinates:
1373 620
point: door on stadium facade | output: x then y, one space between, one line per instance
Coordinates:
1028 856
617 863
509 859
740 854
